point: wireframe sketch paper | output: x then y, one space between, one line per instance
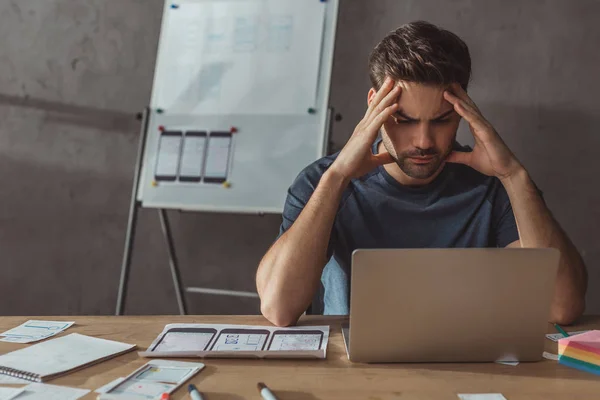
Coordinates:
42 391
555 337
239 341
109 385
169 152
52 358
34 330
217 157
239 57
9 393
192 156
151 380
550 356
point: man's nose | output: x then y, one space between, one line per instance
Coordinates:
423 138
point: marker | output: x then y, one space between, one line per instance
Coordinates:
165 396
561 330
265 392
194 393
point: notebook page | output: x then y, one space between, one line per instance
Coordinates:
11 380
42 391
62 354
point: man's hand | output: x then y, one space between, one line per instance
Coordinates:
490 155
356 158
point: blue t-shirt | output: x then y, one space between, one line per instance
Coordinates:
460 208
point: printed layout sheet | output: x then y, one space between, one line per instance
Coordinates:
151 380
34 330
239 341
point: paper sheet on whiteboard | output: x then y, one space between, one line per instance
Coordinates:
240 57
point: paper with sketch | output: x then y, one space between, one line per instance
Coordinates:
556 336
55 357
481 396
34 330
151 380
42 391
9 393
550 356
239 57
109 385
239 341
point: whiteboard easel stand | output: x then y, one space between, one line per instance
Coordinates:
146 194
135 204
131 231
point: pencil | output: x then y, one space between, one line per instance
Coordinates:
561 330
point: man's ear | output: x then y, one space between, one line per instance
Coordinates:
370 96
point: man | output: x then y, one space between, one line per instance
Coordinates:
414 188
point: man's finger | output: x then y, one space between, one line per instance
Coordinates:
473 117
385 88
459 92
377 122
460 157
383 158
391 98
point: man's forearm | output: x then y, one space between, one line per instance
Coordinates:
289 273
538 228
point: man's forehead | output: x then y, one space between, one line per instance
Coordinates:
422 101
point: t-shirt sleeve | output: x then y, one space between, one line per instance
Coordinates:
298 195
505 226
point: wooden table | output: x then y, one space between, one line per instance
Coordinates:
334 378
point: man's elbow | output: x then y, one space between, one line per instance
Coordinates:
567 315
277 315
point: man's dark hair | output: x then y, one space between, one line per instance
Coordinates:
423 53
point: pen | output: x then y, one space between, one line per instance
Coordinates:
194 393
561 330
265 392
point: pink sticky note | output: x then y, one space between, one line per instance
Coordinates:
588 341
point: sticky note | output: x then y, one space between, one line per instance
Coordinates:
581 352
589 342
578 364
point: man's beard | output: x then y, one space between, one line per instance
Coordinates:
421 171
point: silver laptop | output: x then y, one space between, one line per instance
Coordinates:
450 305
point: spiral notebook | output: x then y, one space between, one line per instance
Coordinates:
52 358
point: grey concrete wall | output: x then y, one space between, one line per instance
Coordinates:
72 76
74 73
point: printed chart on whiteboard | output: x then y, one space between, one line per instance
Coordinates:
238 57
187 157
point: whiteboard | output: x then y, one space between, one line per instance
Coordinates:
239 103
